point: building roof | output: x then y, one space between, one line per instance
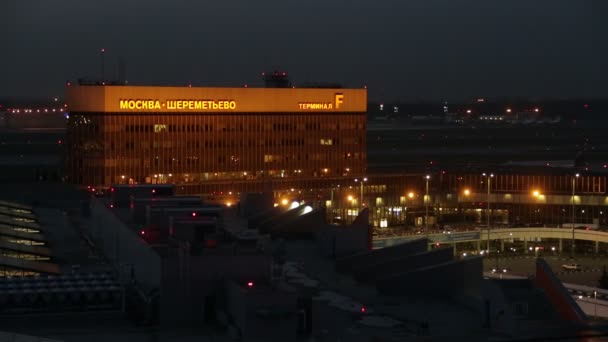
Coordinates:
137 99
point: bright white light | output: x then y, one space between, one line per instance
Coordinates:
307 209
294 205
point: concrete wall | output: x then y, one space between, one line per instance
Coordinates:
294 223
340 241
263 314
450 279
377 256
188 280
402 264
253 203
500 317
123 247
343 241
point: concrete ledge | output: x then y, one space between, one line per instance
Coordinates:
361 260
401 264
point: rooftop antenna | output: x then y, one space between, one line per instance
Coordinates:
122 71
103 72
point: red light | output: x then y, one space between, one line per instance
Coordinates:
112 189
69 84
153 191
93 189
586 105
143 232
111 205
193 214
250 284
211 243
363 309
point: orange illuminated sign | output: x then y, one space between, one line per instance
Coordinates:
338 100
177 104
117 99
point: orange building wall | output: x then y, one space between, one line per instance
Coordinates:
250 100
268 137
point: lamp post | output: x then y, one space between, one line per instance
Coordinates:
426 205
410 196
573 214
364 179
466 193
489 177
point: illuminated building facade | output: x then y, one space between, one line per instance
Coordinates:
208 140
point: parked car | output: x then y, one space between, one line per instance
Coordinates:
501 270
572 267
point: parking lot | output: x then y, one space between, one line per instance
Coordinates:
589 274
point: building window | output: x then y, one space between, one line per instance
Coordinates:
326 141
160 128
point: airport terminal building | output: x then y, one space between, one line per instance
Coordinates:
215 139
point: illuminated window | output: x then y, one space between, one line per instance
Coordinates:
326 142
160 128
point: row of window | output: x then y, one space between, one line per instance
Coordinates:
541 183
241 143
236 159
312 126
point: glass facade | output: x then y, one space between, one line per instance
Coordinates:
205 153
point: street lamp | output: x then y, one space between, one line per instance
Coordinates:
573 214
426 204
466 192
489 177
364 179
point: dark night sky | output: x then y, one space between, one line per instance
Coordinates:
400 49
